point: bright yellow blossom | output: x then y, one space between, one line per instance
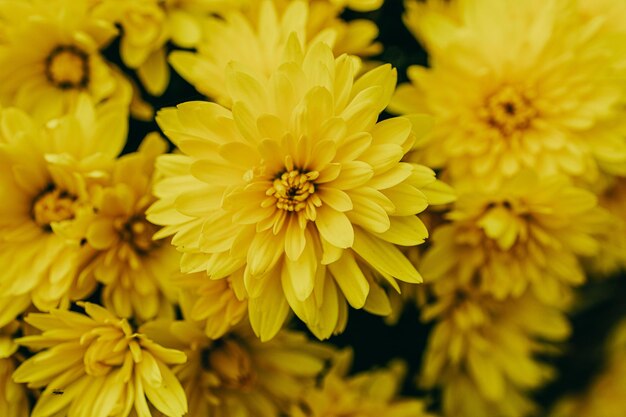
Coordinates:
367 394
135 269
526 235
257 37
295 191
238 375
46 175
13 401
359 5
50 54
516 85
481 352
100 366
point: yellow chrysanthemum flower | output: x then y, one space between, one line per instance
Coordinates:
481 352
368 394
216 303
46 175
527 235
51 54
516 85
13 401
96 365
135 269
149 24
612 255
295 191
607 12
238 375
605 397
257 38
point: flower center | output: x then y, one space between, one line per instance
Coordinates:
509 111
53 205
138 233
68 67
293 189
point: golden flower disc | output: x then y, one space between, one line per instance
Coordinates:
68 67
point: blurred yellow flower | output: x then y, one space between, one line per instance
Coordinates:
149 24
51 53
481 352
367 394
612 255
96 365
526 235
295 191
13 401
257 37
136 270
46 175
238 375
516 85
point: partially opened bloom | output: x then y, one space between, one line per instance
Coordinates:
367 394
13 401
527 235
481 352
257 36
95 364
62 58
46 176
238 375
516 85
296 191
136 270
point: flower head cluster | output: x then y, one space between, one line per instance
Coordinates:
297 190
95 364
134 269
46 177
256 36
481 352
513 96
62 61
526 236
240 375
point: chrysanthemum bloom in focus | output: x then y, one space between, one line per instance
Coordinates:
368 394
481 352
218 304
51 54
238 375
95 364
296 190
527 235
136 270
512 91
13 401
605 396
148 25
256 37
46 175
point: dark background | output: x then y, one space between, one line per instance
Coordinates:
375 343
